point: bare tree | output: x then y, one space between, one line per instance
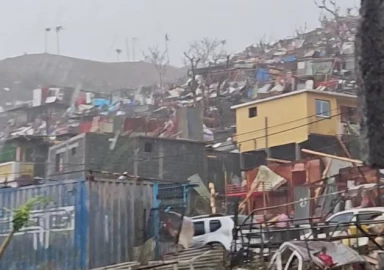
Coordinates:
301 30
160 61
338 26
262 45
209 51
329 6
191 61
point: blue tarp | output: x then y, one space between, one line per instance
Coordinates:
289 58
262 75
100 102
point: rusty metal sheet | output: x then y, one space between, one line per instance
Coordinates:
361 175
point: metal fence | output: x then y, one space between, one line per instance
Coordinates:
86 224
173 195
171 198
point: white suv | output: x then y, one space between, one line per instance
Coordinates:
219 230
212 230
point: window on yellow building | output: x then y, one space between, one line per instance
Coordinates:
252 112
323 108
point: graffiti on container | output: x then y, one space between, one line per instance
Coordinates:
42 223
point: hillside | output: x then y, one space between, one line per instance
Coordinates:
23 73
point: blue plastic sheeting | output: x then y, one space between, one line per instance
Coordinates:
290 58
262 75
86 225
100 102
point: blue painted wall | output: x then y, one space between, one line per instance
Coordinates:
86 225
51 240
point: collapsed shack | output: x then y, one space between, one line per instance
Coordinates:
304 255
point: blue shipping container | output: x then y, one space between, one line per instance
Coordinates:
85 225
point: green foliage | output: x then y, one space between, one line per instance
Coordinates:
21 214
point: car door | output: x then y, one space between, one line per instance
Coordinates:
364 216
367 215
336 223
199 235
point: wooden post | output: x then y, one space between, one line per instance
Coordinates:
212 192
266 137
264 198
297 152
225 188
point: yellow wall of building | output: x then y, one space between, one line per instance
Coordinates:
287 123
26 168
319 124
6 171
12 170
290 120
327 126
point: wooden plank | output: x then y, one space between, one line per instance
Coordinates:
331 156
279 160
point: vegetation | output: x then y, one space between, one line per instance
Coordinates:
20 219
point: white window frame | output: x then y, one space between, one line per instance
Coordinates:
322 113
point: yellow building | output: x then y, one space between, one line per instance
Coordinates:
291 118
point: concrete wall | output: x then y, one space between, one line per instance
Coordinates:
67 159
158 158
172 160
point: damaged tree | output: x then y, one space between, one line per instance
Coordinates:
370 70
20 218
160 61
339 28
192 61
209 51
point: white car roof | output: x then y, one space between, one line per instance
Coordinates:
357 210
208 217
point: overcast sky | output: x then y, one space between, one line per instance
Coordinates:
93 29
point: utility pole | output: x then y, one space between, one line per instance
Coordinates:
46 39
58 30
127 48
134 39
166 46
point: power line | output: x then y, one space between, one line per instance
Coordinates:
68 165
235 135
167 156
239 142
